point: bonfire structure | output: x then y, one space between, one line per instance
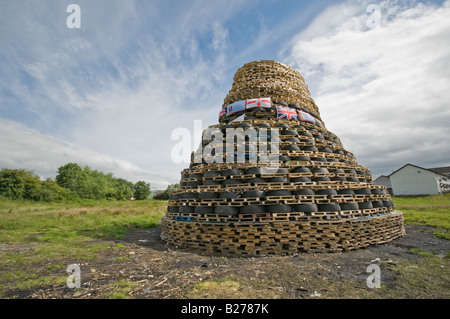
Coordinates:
271 179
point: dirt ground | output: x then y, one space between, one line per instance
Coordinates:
142 266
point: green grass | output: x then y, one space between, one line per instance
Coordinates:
427 210
52 233
69 230
120 289
426 277
41 232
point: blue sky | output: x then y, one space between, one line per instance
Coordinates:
110 94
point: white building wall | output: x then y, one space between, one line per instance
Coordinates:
411 180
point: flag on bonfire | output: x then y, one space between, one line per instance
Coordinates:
307 117
284 112
236 107
222 113
260 102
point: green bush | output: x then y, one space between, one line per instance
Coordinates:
141 190
72 182
50 191
88 183
19 184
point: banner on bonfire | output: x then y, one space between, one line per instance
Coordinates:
235 107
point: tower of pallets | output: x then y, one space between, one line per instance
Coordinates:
314 197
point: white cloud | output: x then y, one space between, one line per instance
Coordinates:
26 148
119 85
137 70
383 91
333 17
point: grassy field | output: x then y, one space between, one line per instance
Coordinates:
43 236
427 210
72 229
33 234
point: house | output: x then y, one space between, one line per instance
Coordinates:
441 170
415 180
384 180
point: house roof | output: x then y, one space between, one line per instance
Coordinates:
441 170
383 180
438 170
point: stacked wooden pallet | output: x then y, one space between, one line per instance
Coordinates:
264 78
273 237
316 198
279 217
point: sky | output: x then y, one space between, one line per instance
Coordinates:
111 93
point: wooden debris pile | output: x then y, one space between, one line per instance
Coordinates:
259 79
311 196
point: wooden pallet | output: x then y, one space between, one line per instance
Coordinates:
296 175
279 237
271 198
255 218
282 232
213 200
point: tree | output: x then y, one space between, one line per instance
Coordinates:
70 176
90 183
50 191
71 182
97 185
124 189
141 190
19 184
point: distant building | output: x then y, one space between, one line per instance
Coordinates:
415 180
441 170
384 180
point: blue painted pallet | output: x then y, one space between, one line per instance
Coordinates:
183 218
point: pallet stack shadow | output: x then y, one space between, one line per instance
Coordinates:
319 199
